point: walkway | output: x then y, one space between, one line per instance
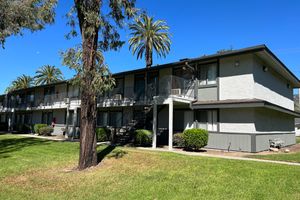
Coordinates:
220 156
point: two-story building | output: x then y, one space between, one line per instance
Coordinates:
244 98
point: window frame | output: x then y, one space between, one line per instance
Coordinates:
204 69
207 121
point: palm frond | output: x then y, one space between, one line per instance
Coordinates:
148 35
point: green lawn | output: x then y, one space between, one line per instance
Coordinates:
289 157
38 169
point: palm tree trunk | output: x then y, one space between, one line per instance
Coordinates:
88 142
148 57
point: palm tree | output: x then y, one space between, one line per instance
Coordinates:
21 82
148 35
48 74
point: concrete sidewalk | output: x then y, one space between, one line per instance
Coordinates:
220 156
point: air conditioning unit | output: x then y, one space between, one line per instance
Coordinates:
66 100
176 91
118 97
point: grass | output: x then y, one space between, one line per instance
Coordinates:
38 169
289 157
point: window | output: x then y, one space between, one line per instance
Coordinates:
47 118
115 119
207 74
71 117
119 87
102 119
3 118
207 119
139 86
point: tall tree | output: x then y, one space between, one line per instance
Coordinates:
21 82
18 15
148 35
99 33
99 22
48 74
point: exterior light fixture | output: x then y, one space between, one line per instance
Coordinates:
265 68
288 85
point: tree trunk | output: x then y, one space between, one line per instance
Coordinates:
88 141
148 57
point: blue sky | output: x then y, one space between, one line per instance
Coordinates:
197 26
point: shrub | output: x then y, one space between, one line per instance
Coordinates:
143 137
37 127
195 139
102 134
178 140
46 131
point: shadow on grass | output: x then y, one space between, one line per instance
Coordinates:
104 152
16 144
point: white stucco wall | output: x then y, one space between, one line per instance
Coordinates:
236 82
271 86
237 120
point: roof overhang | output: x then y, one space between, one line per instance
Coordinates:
242 103
278 66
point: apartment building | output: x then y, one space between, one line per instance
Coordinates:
244 98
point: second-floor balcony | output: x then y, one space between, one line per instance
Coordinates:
139 94
168 86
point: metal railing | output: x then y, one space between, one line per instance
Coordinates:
139 95
176 86
51 99
167 86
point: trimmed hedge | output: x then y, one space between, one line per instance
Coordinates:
178 140
46 131
102 134
37 128
195 139
143 137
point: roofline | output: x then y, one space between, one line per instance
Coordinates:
252 49
282 64
40 86
202 58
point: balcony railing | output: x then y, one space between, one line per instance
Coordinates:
176 86
52 99
139 95
166 87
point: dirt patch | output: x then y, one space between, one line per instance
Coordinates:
292 149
